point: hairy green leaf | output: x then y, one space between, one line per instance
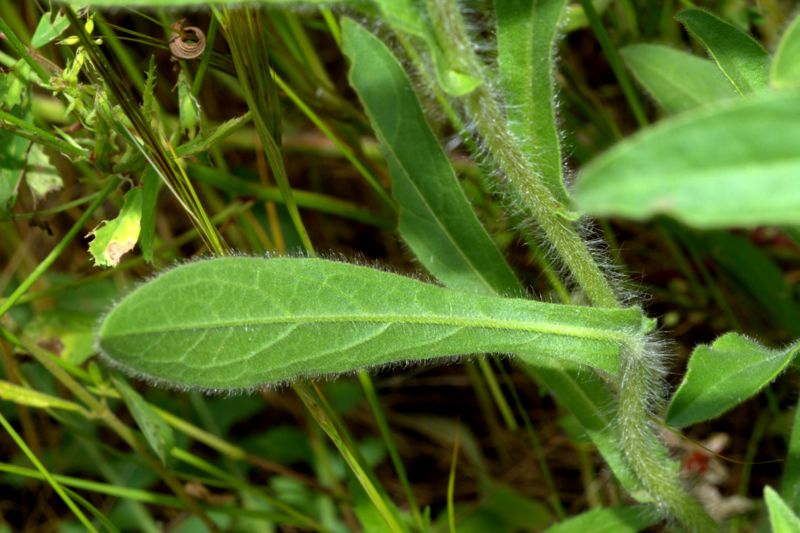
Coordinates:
724 374
785 71
743 60
748 148
238 323
436 219
781 517
526 35
678 81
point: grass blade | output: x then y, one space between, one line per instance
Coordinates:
785 71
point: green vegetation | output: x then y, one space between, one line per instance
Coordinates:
231 170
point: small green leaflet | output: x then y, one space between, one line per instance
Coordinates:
237 323
678 81
721 376
48 29
748 147
740 57
115 238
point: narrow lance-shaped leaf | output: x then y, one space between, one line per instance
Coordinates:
436 219
238 323
526 35
721 376
156 431
678 81
748 148
785 71
743 60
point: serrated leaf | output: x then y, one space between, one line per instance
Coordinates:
785 71
156 431
115 238
237 323
40 174
526 37
747 147
742 59
678 81
722 375
48 29
436 219
609 520
33 398
781 517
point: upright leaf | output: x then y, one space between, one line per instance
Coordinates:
157 432
678 81
790 483
785 71
237 323
781 517
436 219
721 376
732 164
743 60
526 36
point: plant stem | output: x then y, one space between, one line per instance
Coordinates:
639 371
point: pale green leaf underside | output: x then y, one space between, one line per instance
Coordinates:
720 376
678 81
785 71
436 219
732 164
743 60
239 323
781 517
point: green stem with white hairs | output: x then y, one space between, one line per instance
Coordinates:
640 373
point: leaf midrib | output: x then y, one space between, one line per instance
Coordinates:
593 333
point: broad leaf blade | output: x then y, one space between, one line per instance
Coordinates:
238 323
720 376
436 219
748 147
526 35
609 520
743 60
678 81
785 71
781 517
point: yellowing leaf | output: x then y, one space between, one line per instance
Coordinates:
115 238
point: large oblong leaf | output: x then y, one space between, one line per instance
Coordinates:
743 60
237 323
732 164
724 374
436 219
677 80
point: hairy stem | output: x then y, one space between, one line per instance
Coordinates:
640 374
